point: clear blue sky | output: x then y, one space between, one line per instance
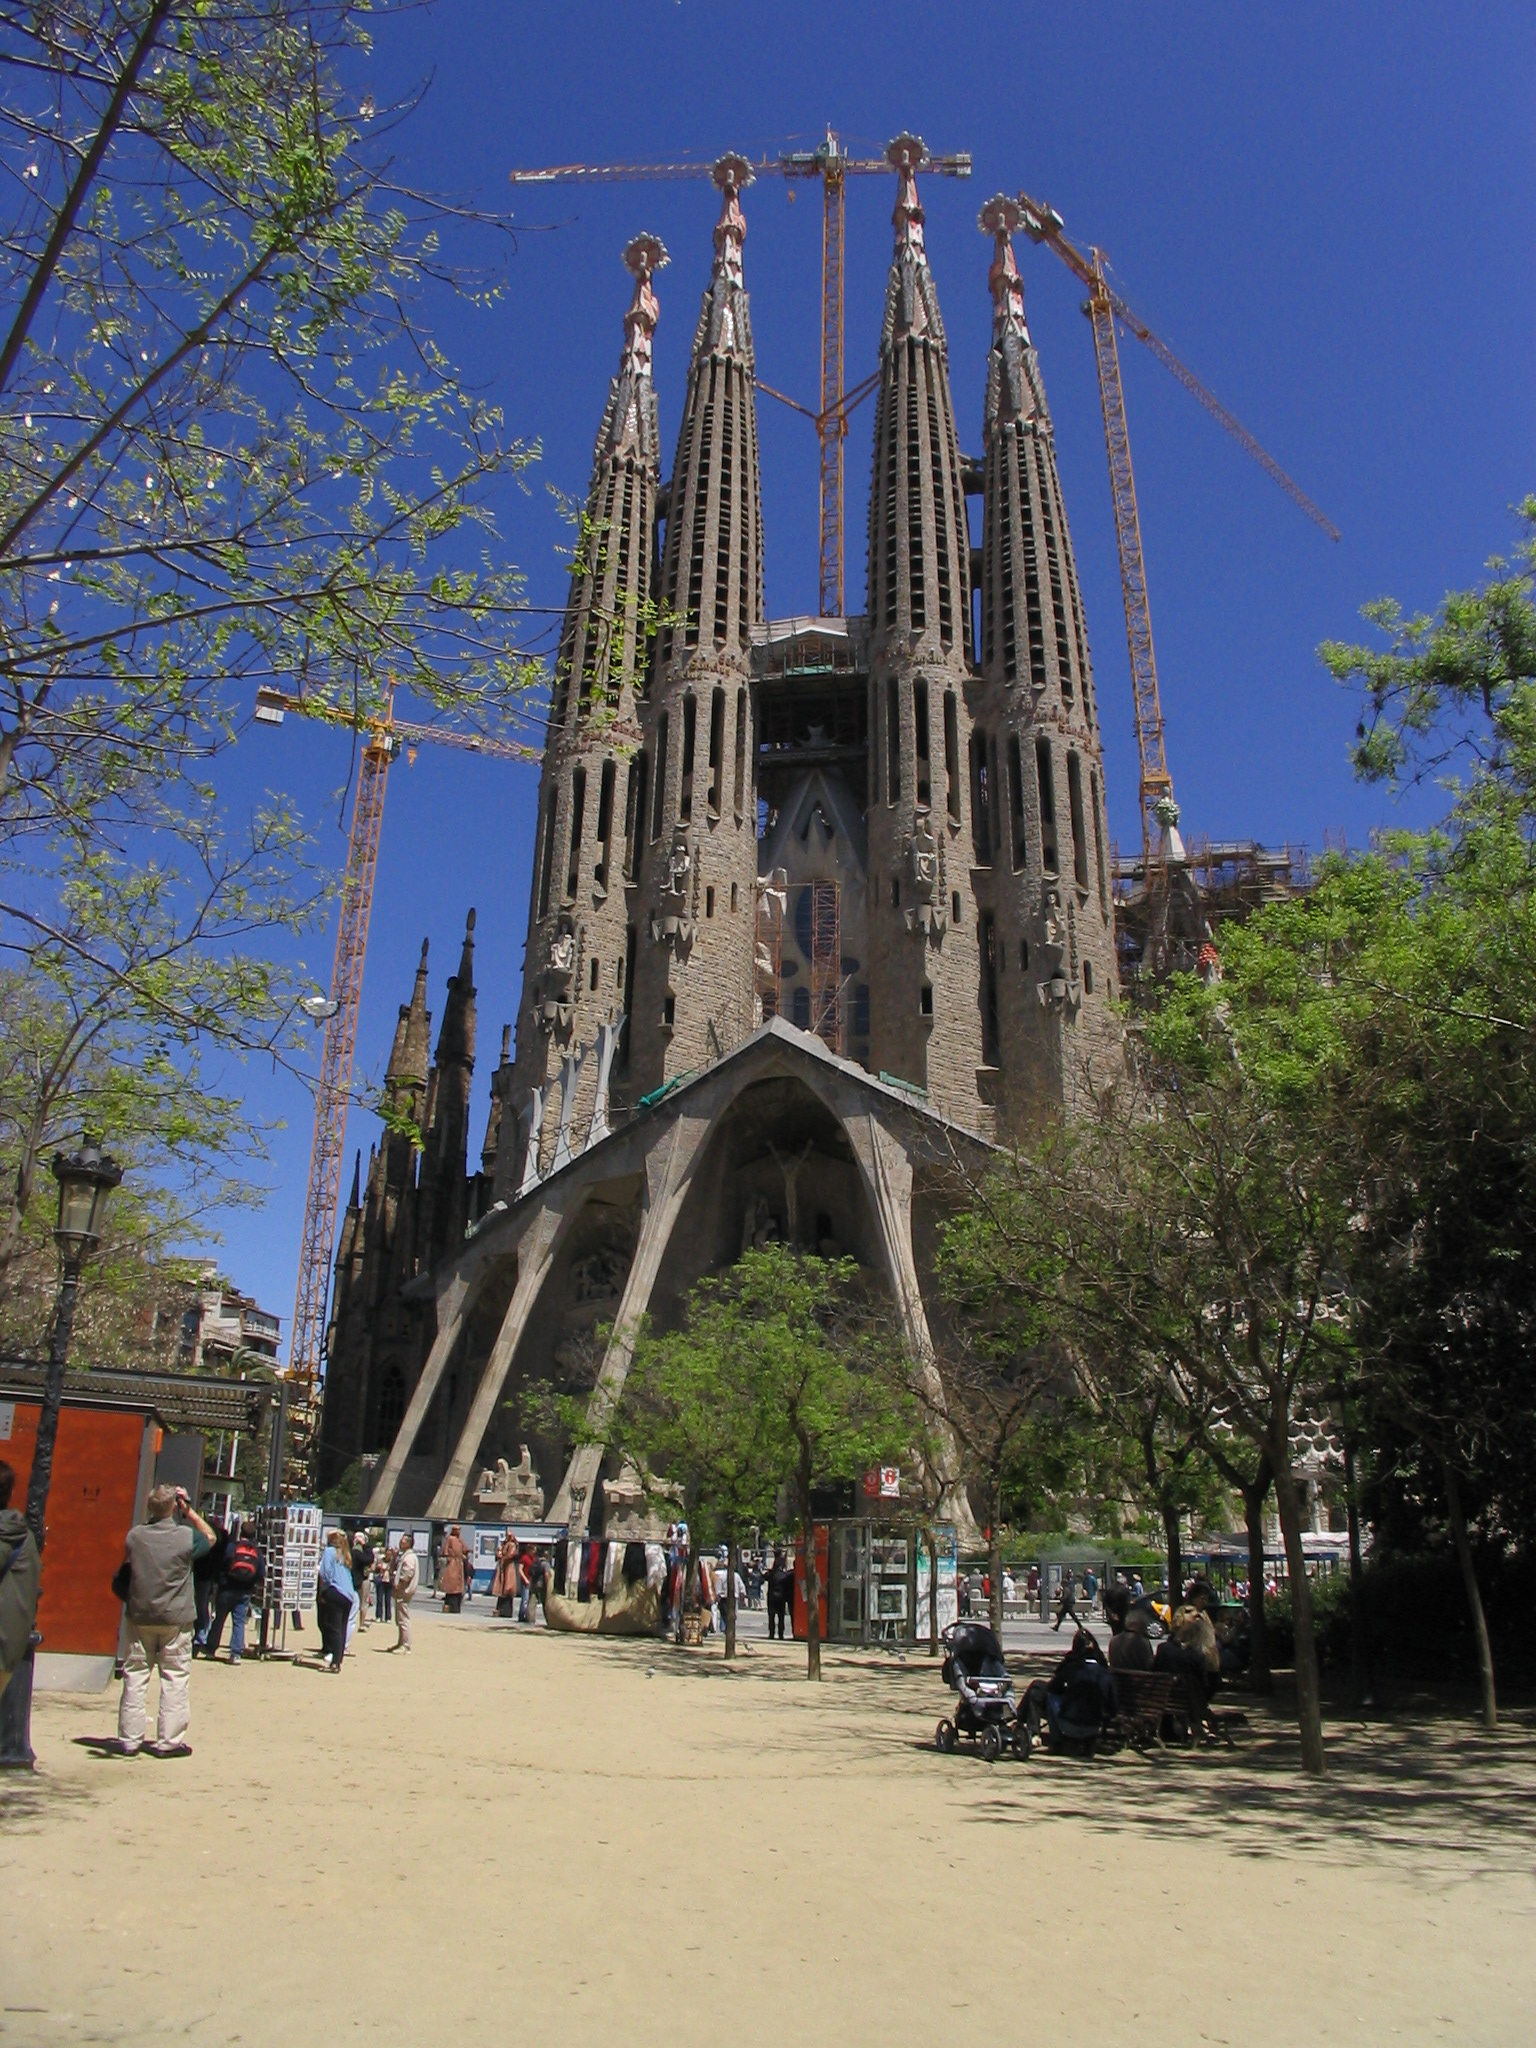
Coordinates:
1326 211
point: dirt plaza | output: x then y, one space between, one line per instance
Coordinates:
512 1831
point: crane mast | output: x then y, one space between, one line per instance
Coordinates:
1103 308
384 738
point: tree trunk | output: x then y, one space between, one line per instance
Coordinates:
812 1576
1260 1676
995 1578
933 1592
1474 1594
1309 1710
1359 1620
1174 1542
731 1554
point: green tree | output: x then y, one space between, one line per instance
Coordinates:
1197 1220
230 454
783 1376
1442 971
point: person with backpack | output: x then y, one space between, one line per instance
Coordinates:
238 1578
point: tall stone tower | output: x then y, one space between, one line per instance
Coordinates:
926 999
442 1206
692 992
1040 850
582 936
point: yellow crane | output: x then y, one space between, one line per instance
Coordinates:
1104 307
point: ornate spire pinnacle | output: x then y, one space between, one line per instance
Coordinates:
905 155
643 257
911 302
467 953
732 174
1000 218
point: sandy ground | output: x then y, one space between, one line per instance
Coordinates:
517 1836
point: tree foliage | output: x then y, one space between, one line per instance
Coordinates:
231 453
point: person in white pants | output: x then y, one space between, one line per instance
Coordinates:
162 1609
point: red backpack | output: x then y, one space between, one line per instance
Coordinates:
242 1563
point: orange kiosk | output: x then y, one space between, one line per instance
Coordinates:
103 1466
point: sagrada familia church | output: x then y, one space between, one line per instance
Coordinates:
820 906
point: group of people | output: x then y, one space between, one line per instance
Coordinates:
1077 1699
352 1572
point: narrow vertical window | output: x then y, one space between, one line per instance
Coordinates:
659 796
1079 829
629 994
988 989
578 811
920 723
952 754
1098 840
685 763
743 722
547 857
634 814
892 741
1016 800
604 824
1047 780
716 749
981 808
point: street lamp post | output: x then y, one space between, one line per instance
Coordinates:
86 1178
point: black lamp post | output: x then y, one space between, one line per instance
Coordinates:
85 1179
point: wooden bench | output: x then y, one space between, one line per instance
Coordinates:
1143 1701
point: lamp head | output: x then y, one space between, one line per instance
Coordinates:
86 1178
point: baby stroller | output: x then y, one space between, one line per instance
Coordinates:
974 1668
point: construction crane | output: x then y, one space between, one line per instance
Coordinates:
384 738
831 163
1044 224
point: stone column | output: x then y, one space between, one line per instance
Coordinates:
669 1175
534 1257
887 1169
454 1299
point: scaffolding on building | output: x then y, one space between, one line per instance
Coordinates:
826 959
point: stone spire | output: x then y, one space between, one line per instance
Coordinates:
456 1039
1032 615
919 551
1039 847
594 792
925 1021
691 920
408 1054
713 571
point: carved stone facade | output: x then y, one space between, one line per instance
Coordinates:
815 901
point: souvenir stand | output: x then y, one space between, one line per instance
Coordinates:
288 1537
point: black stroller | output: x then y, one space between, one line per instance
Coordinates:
974 1668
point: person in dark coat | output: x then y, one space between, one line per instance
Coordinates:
781 1594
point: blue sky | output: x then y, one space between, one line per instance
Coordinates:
1324 210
